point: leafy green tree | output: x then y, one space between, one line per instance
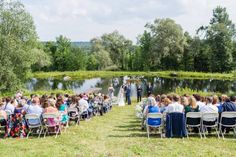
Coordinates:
219 35
167 43
118 48
146 55
101 54
187 63
18 45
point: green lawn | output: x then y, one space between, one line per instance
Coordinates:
115 134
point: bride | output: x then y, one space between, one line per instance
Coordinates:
120 100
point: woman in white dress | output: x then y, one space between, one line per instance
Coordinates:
121 100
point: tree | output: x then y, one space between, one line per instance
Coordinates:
103 59
18 45
219 34
118 47
146 56
167 43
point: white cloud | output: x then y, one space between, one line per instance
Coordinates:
84 19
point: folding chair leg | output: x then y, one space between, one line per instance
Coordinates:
41 129
28 133
160 131
204 131
187 132
46 131
199 130
148 131
217 132
58 130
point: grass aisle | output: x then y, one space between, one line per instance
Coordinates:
115 134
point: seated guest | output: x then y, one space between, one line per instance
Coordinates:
83 105
229 106
34 108
209 107
192 107
3 122
175 106
161 103
18 123
153 108
49 107
9 105
199 101
167 102
222 100
215 102
184 101
62 107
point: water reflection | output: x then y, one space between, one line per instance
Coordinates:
161 85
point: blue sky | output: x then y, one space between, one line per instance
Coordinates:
81 20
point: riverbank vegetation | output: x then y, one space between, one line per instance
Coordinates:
110 74
163 46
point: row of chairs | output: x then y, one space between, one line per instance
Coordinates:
199 120
44 124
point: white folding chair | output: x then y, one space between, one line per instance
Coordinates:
55 124
210 117
227 115
193 116
154 116
73 115
34 123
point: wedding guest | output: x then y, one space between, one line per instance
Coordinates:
139 92
175 106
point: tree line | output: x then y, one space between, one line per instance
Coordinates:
162 46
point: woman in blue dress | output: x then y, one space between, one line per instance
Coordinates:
153 108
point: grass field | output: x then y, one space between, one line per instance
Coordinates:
166 74
116 134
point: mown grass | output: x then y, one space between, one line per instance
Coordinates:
104 74
116 134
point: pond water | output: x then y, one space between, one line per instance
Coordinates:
160 85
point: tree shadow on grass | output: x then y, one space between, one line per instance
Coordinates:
132 128
129 135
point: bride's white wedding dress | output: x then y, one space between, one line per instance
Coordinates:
121 100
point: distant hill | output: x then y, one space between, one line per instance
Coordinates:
81 44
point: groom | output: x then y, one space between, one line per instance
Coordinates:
128 93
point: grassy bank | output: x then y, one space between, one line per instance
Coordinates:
104 74
117 134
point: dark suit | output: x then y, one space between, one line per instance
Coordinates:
149 90
139 93
128 94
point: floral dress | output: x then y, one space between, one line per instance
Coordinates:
18 124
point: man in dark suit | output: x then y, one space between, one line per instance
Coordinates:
128 93
139 92
149 89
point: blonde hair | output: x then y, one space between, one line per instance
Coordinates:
184 101
192 102
167 101
215 99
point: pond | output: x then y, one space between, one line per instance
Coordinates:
160 85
